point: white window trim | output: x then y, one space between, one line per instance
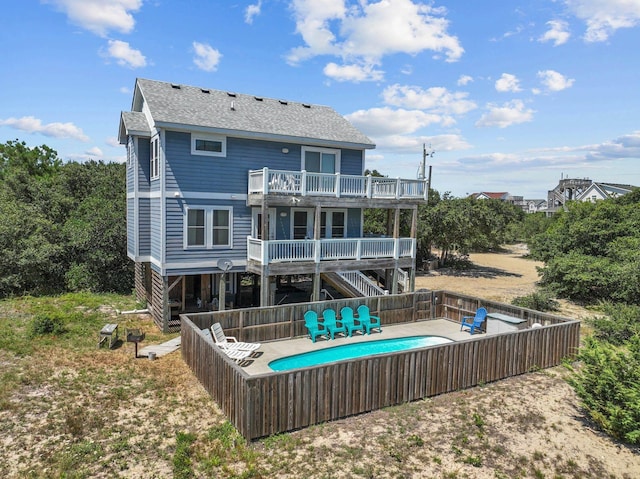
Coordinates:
208 227
320 150
154 168
198 136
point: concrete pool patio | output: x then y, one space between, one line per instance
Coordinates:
258 363
260 402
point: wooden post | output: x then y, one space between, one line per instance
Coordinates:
317 283
264 287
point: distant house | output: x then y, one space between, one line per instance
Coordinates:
485 195
230 195
535 205
602 191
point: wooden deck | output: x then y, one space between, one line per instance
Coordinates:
267 403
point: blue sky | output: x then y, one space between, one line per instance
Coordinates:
509 95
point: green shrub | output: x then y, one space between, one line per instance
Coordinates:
182 468
47 323
539 300
609 386
621 323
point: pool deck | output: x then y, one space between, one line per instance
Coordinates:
259 362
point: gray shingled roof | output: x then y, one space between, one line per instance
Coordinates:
266 117
133 123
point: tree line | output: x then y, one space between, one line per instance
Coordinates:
62 224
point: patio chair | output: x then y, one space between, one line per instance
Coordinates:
230 342
314 328
349 322
369 322
331 323
474 322
235 354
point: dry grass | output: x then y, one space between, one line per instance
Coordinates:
70 410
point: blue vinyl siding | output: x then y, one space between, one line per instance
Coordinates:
142 165
155 227
131 164
131 227
188 172
353 222
144 227
352 162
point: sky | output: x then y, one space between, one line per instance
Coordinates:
505 96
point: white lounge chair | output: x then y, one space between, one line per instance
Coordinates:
230 342
236 354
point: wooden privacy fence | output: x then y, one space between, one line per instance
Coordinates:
267 404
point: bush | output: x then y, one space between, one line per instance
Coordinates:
539 300
48 323
621 323
609 386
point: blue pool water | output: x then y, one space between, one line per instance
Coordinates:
355 350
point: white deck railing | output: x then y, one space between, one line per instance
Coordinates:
279 251
362 283
305 183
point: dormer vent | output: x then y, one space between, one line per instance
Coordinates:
205 91
231 94
306 105
175 86
258 98
282 102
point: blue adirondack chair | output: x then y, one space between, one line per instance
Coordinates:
474 322
369 322
349 322
314 328
331 323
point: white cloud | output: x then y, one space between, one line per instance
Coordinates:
100 16
125 55
207 57
558 33
363 33
604 17
554 81
252 11
113 142
94 152
508 83
125 90
387 121
464 80
31 124
436 99
354 73
413 144
510 113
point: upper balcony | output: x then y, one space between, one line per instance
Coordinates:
305 184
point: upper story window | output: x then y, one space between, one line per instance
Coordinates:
155 157
320 160
208 145
209 227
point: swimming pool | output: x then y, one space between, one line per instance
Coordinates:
355 350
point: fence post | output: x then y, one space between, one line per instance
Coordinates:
265 181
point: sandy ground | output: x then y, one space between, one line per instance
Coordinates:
106 414
496 276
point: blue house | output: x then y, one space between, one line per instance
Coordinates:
230 196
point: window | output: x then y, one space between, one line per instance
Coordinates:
195 227
208 145
320 160
155 158
208 227
221 227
